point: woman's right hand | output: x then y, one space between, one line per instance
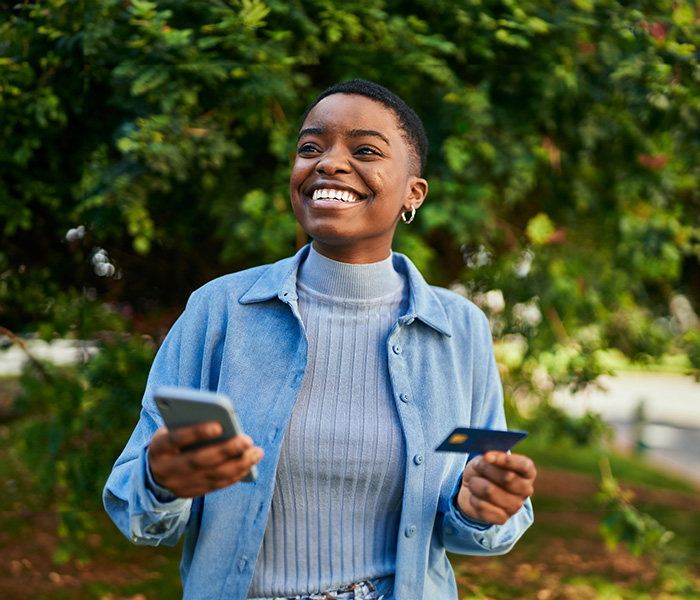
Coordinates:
192 473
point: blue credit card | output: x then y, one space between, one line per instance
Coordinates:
478 441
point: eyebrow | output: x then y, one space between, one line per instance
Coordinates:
352 133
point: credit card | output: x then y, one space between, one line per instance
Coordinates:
478 441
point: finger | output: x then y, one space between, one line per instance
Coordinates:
212 479
519 463
187 482
191 434
189 464
218 453
172 464
495 495
510 481
160 442
236 469
487 511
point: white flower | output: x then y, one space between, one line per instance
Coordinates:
528 313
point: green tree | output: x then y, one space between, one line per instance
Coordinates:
563 165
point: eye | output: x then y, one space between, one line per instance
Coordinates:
307 148
367 151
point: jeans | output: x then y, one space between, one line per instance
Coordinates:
378 589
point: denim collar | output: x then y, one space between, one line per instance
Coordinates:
279 280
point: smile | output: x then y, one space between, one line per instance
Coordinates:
331 194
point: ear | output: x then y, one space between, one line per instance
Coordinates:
417 191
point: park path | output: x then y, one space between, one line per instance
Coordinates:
59 352
670 405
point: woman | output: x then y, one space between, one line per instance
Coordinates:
347 370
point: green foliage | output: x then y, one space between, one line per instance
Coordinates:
623 523
79 418
564 148
691 341
552 424
75 422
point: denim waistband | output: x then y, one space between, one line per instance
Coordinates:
376 589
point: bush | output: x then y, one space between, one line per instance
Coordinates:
75 422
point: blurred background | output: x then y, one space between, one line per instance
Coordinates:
146 148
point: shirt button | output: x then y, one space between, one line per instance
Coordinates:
418 459
410 531
404 397
397 349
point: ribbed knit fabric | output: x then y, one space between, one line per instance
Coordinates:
337 501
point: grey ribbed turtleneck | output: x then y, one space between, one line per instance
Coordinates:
337 500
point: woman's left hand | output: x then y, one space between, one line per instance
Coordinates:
495 486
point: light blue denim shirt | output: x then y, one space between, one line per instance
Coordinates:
242 335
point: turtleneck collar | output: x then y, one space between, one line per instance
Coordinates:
348 281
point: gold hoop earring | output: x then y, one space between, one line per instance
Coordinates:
409 220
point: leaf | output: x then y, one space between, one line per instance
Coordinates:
149 79
253 13
539 229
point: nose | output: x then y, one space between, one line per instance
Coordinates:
333 160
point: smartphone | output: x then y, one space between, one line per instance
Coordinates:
183 406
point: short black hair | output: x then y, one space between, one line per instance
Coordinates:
409 121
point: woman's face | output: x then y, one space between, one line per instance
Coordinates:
351 178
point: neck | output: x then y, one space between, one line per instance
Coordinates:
349 281
367 254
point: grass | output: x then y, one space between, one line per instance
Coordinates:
615 360
566 455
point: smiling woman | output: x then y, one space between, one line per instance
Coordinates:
352 145
347 370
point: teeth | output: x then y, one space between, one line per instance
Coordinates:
331 194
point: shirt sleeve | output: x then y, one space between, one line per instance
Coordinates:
464 535
461 534
144 512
